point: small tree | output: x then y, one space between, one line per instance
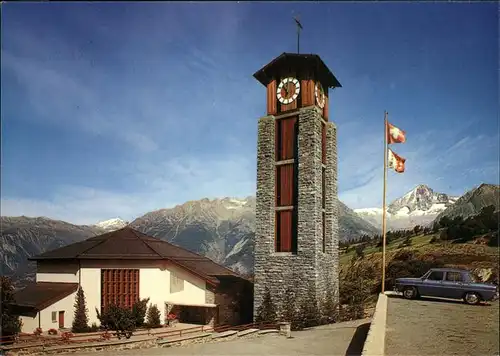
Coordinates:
139 311
153 317
330 305
290 313
11 324
81 319
309 312
266 313
360 251
121 320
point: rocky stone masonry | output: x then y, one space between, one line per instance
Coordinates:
310 266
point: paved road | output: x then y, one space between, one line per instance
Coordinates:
438 327
332 340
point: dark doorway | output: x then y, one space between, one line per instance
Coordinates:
192 315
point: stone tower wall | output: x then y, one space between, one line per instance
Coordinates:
310 266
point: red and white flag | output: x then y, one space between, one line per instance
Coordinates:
395 162
394 134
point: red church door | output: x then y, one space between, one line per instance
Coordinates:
61 319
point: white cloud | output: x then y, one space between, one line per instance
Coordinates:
160 185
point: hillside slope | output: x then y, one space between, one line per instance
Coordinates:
23 237
473 201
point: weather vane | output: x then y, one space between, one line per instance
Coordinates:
299 27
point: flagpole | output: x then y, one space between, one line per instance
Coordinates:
383 202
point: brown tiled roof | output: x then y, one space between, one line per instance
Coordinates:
298 61
40 295
130 244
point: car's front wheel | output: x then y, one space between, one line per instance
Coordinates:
410 292
472 298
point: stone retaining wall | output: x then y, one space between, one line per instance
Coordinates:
375 340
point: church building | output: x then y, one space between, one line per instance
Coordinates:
123 266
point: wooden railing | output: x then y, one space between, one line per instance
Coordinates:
25 340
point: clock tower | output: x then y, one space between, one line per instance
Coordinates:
296 238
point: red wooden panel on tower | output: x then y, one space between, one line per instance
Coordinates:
285 186
326 109
272 100
286 138
284 218
307 89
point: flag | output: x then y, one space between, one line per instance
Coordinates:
394 134
395 162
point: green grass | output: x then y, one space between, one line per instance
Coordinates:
417 242
421 243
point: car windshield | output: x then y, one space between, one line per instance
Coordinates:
425 275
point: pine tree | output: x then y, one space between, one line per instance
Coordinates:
330 312
139 311
290 313
308 310
81 319
11 324
153 316
266 313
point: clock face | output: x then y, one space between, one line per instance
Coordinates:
288 90
320 95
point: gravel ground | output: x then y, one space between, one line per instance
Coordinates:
439 327
332 340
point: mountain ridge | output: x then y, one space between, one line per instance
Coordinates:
222 229
419 206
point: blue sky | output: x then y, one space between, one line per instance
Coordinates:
113 110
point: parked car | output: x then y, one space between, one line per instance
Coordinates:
447 283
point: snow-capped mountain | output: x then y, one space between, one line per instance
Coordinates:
420 206
111 224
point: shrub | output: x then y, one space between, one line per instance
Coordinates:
309 312
81 319
266 313
65 336
153 317
360 251
52 332
139 311
120 320
38 332
290 312
94 327
330 306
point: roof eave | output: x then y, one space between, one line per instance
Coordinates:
264 78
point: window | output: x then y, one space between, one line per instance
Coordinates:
454 277
176 283
436 276
54 317
119 287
